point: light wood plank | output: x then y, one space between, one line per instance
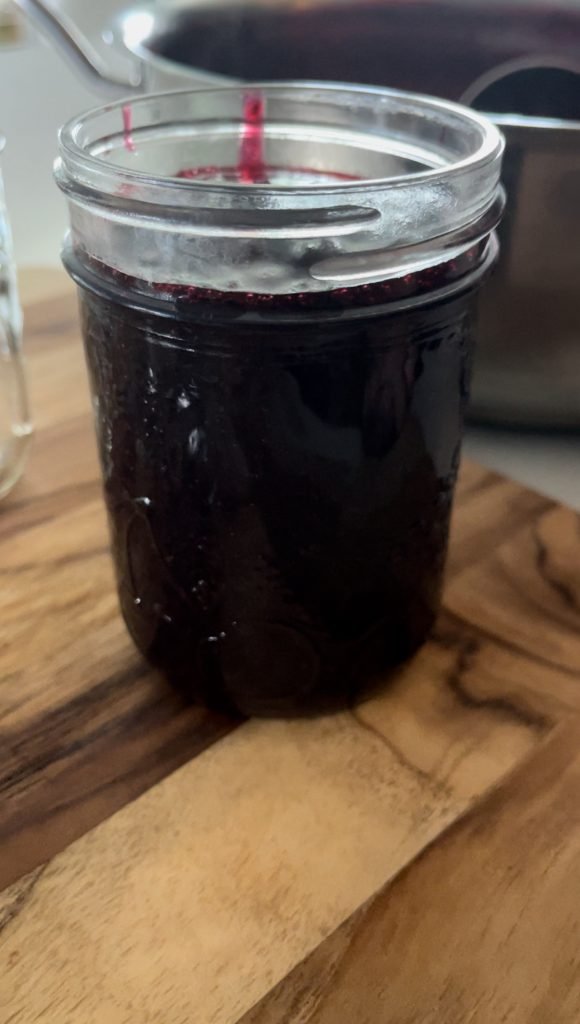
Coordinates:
202 894
484 927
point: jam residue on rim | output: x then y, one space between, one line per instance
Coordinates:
378 294
252 169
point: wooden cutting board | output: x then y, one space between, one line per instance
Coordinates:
416 861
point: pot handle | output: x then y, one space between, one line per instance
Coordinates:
76 48
509 67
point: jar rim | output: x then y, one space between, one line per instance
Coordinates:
78 154
375 183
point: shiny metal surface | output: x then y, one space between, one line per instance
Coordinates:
427 46
66 36
528 364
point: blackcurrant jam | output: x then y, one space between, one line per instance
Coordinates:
278 461
278 480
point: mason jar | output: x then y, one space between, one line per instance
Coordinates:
278 286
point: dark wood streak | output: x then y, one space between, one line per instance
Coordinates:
561 589
501 641
53 328
68 730
486 482
528 597
467 650
303 1001
89 755
182 746
485 518
77 750
357 714
56 563
52 309
14 899
29 513
30 753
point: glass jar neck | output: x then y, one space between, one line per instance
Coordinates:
360 185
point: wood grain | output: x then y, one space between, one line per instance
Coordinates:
394 864
535 581
214 884
483 927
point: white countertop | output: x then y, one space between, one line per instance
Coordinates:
45 92
549 463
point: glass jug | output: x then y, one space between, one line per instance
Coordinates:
15 425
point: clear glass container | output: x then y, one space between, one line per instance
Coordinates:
278 286
15 424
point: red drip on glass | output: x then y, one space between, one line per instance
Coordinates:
251 165
251 168
127 128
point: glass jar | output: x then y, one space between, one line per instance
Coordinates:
15 425
277 288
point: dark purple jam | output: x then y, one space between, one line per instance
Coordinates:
278 473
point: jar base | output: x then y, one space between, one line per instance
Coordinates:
337 687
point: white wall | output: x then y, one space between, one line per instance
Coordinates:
38 92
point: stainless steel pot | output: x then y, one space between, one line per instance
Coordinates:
528 362
481 51
428 45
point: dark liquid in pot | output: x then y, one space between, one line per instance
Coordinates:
433 46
